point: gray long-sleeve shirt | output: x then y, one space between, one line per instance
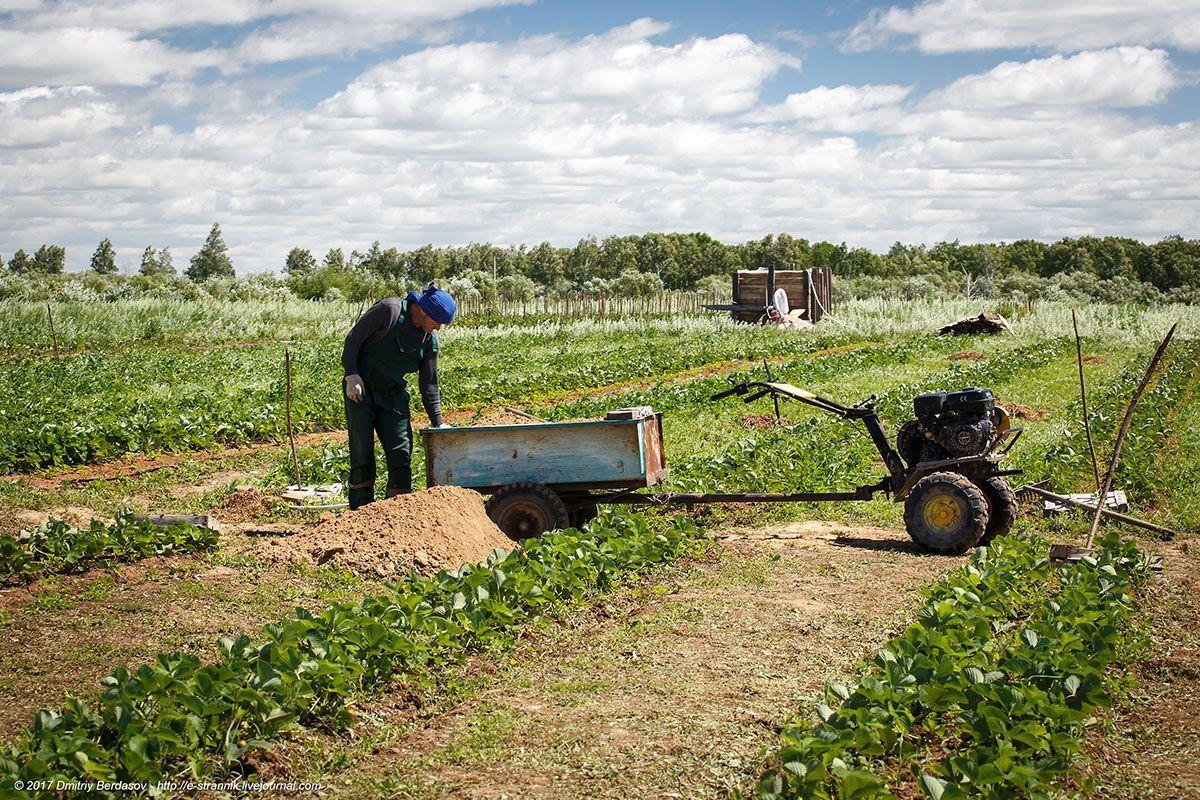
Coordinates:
375 324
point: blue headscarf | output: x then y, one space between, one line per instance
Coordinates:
438 304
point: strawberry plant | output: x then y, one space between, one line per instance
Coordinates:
55 547
1002 670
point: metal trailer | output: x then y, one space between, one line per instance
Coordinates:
543 476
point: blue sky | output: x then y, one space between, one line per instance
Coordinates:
330 123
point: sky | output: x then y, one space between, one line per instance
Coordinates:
335 123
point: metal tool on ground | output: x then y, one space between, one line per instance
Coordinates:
1076 502
944 467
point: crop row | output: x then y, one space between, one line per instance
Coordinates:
179 716
55 548
986 695
89 407
1068 460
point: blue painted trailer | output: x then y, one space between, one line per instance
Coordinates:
596 454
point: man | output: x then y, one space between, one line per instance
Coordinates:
394 338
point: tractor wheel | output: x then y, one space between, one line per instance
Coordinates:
946 513
527 510
1002 507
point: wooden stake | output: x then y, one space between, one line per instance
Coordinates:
287 364
1112 465
53 335
1087 425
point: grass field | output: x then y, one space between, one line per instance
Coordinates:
168 409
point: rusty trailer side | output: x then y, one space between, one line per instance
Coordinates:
567 456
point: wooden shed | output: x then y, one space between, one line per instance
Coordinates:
809 290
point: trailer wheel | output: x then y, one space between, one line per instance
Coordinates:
526 510
946 513
1002 507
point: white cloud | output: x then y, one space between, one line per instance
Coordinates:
1119 77
310 28
539 82
950 26
96 56
555 138
840 108
40 116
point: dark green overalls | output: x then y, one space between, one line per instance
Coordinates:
384 409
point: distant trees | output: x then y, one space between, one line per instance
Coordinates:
50 259
1086 266
156 263
20 262
212 260
299 262
104 260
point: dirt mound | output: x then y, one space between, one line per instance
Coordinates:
495 418
439 528
967 355
1095 360
246 505
25 519
1019 411
764 421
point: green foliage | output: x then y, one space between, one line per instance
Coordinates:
104 260
212 260
20 263
50 259
1003 669
55 547
179 716
299 262
156 264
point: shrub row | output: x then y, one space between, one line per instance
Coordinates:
1003 668
179 717
55 547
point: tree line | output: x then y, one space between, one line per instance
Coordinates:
648 263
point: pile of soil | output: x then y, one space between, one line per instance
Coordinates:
246 505
967 355
495 418
439 528
764 421
1019 411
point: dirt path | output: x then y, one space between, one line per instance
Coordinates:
65 633
679 694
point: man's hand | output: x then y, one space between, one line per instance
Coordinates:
354 388
444 425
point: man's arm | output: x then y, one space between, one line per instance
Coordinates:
371 326
427 382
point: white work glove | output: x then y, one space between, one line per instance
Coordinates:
354 388
444 425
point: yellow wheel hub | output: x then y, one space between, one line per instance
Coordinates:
942 513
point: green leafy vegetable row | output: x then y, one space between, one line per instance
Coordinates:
179 716
55 547
991 687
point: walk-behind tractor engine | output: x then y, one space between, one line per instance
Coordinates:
950 425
